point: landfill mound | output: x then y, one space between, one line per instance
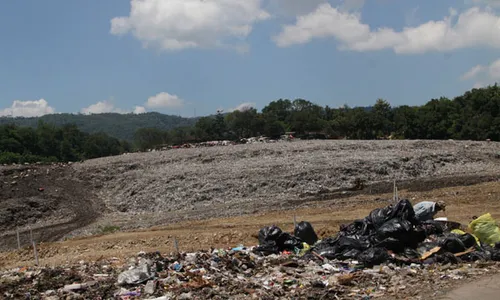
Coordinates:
140 190
217 182
389 254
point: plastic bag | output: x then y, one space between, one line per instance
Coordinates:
392 244
358 227
135 276
402 210
460 232
326 248
452 244
373 256
486 229
267 249
269 233
395 228
287 241
305 232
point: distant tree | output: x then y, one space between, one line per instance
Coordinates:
382 118
147 138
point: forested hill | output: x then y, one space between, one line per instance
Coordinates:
121 126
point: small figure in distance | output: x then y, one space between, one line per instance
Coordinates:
426 210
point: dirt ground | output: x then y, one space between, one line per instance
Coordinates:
464 202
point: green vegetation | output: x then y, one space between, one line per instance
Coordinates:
108 229
474 115
120 126
48 143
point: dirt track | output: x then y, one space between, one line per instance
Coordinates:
161 188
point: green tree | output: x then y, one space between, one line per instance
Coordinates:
147 138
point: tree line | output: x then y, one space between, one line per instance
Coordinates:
474 115
120 126
471 116
48 143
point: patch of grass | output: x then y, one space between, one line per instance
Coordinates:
108 229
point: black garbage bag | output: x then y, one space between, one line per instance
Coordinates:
287 241
390 243
402 210
326 248
494 253
342 247
396 228
267 249
468 240
379 216
452 244
433 227
352 242
373 256
269 233
305 232
358 227
349 254
457 243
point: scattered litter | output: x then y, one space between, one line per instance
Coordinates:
380 256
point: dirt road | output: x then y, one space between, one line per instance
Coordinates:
484 289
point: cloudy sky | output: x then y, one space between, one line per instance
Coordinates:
196 56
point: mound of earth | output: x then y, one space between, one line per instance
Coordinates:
145 189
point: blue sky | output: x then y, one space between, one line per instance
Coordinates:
182 56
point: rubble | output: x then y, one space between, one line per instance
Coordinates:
381 256
223 274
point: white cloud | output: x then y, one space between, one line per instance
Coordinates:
164 100
139 110
473 72
182 24
474 27
483 75
34 108
101 108
243 107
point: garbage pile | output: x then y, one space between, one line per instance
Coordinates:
233 274
390 234
388 254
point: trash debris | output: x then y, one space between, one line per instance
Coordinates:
380 256
273 240
136 275
305 231
486 229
